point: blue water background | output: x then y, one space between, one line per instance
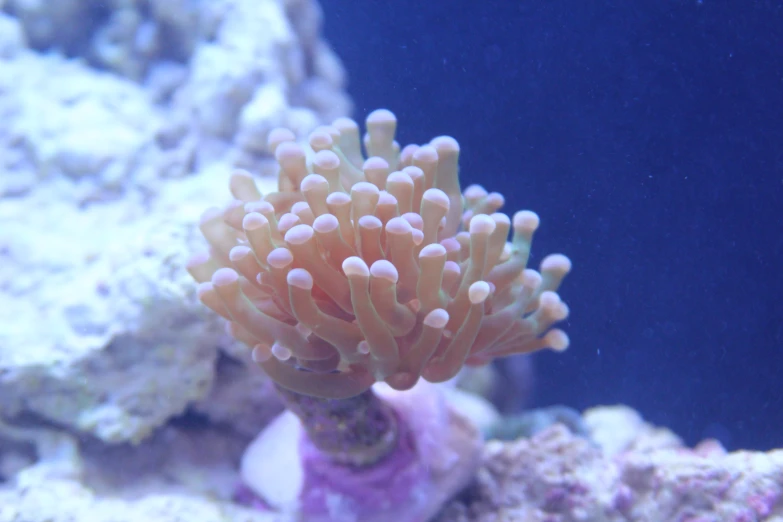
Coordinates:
649 137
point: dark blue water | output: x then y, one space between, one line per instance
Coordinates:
649 137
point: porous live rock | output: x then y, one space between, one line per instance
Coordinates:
101 332
623 470
61 501
180 474
208 79
241 85
97 130
626 470
12 38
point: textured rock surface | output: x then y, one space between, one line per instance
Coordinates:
179 474
175 86
628 471
102 331
91 128
108 155
61 501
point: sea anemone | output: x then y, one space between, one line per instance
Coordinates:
357 272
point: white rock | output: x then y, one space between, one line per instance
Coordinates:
101 332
